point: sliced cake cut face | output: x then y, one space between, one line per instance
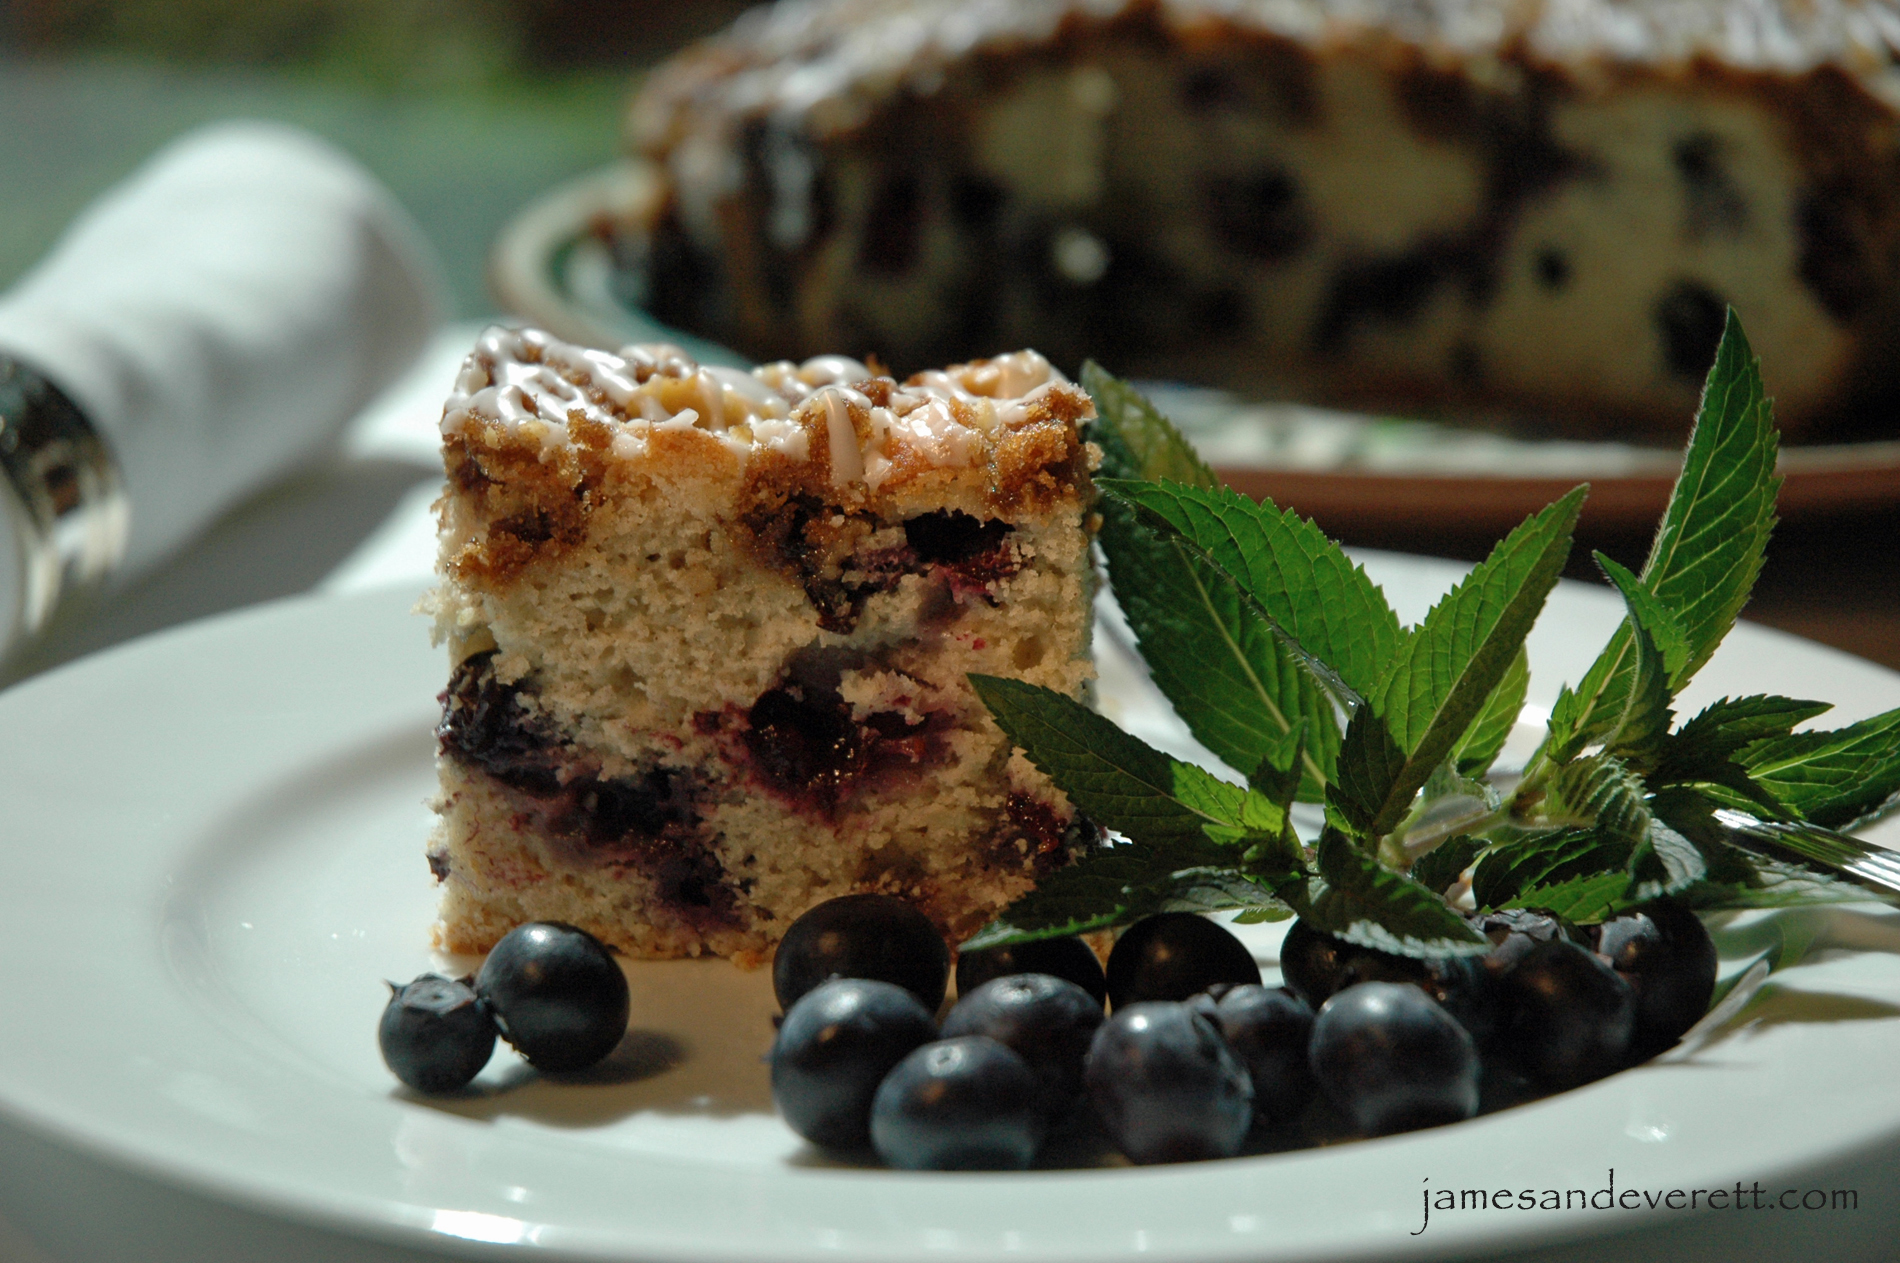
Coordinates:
1523 209
710 633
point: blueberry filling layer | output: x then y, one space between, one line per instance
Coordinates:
804 745
649 821
485 726
1053 841
822 549
970 553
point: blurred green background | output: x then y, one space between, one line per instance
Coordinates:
467 110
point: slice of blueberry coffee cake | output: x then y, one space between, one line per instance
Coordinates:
710 632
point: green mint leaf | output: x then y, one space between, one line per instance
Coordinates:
1301 580
1704 750
1712 826
1091 894
1647 610
1358 899
1836 778
1118 780
1439 867
1771 884
1584 900
1234 682
1709 547
1213 889
1445 671
1277 775
1136 440
1623 700
1230 677
1239 685
1504 875
1115 885
1601 793
1257 916
1369 764
1665 863
1478 749
1638 722
1724 728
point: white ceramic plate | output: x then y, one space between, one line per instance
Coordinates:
212 855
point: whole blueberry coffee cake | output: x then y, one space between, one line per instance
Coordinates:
710 632
1538 208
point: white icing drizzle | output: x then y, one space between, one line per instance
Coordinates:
535 386
847 462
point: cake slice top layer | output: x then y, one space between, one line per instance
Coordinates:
1006 427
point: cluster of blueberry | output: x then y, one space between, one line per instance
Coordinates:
1195 1054
1196 1051
554 992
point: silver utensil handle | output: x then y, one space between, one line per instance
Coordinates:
63 500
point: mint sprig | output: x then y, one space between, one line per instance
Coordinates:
1302 582
1282 656
1233 679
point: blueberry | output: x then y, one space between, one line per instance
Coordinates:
963 1104
1269 1029
435 1034
1172 955
1166 1087
1571 1016
1393 1059
1514 931
834 1047
1048 1021
1068 958
862 936
1315 964
1670 962
1468 989
557 995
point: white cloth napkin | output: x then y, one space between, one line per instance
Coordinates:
219 316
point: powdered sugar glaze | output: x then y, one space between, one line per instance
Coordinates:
535 385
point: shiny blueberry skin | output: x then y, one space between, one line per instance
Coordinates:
1166 1087
862 936
962 1104
1571 1016
1172 955
1269 1029
1046 1020
1315 964
1393 1059
1068 958
435 1034
1669 960
557 995
834 1047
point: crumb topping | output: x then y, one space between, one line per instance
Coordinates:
865 428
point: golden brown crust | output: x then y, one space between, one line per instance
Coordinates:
528 510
